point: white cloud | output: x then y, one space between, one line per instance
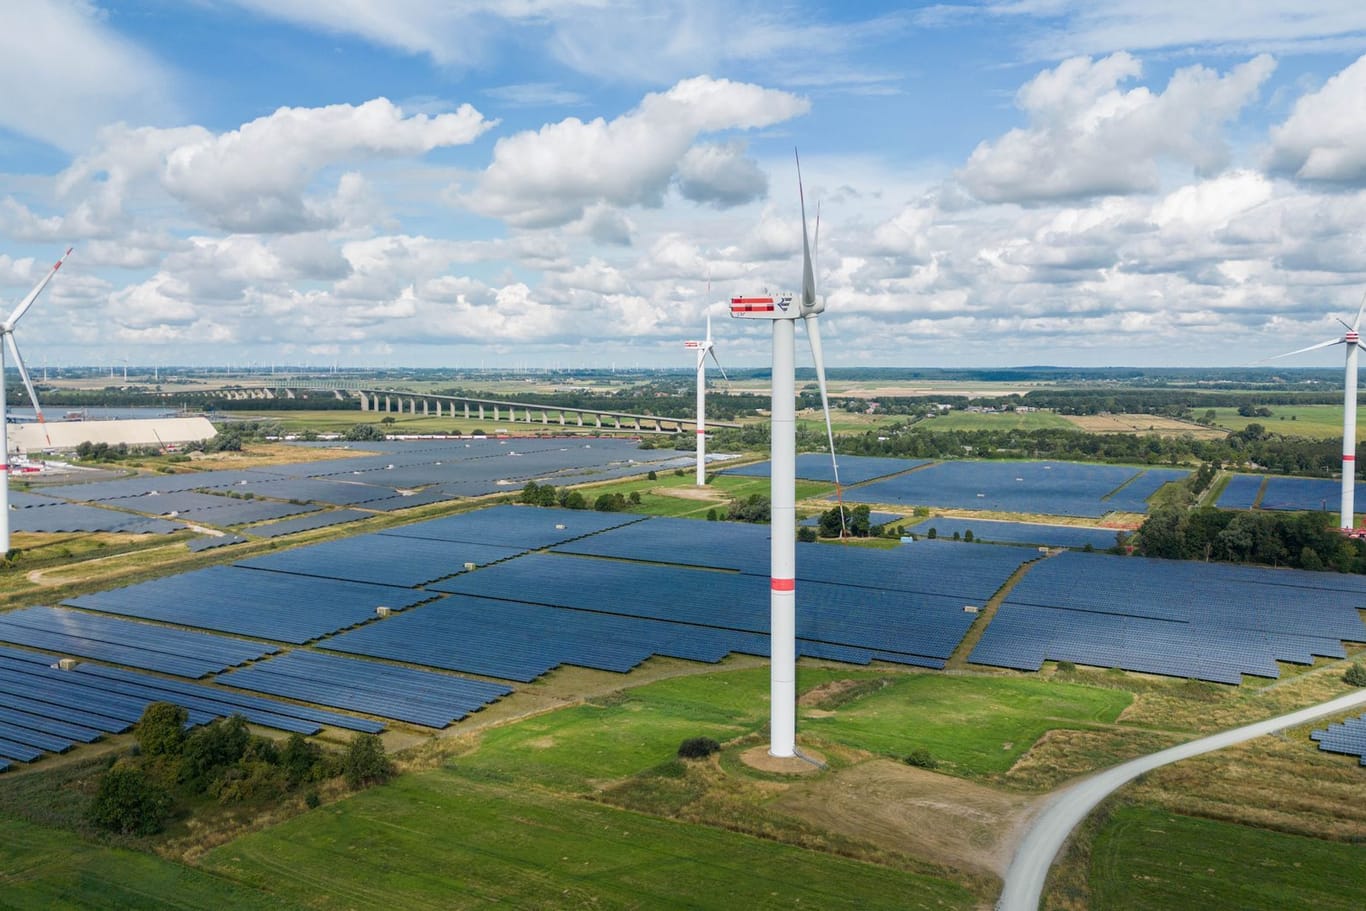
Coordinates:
257 177
1087 137
720 175
550 176
1324 138
66 73
1070 27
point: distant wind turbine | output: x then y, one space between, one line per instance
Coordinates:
703 349
1352 340
7 330
784 311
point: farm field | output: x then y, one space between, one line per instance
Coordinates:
1146 859
1008 420
1321 421
1143 423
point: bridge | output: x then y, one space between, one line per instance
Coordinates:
427 404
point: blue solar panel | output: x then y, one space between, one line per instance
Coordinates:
1018 532
526 527
815 466
1044 488
1207 621
1304 493
1347 737
157 648
383 559
1241 492
69 517
209 542
268 605
324 519
404 694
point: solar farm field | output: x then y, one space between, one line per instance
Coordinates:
1039 488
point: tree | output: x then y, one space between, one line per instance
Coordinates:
129 802
301 760
806 533
1356 674
932 533
364 761
967 535
652 476
161 730
211 749
362 432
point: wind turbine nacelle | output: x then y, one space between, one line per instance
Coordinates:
778 306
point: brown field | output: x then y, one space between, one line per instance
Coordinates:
1143 423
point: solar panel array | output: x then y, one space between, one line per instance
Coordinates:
900 612
71 517
421 697
382 559
1206 621
268 605
1283 493
1133 497
140 645
525 527
46 710
1046 488
324 519
815 466
1347 737
1240 492
1076 536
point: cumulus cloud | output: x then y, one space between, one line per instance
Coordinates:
258 177
720 175
66 73
550 176
1087 137
1324 138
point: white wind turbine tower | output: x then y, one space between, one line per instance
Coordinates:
7 330
703 349
782 491
1349 413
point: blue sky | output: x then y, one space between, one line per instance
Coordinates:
555 182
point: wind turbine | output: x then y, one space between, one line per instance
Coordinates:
1349 413
703 349
784 311
7 330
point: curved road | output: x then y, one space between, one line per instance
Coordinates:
1024 879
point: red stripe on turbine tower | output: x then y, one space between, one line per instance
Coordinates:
1348 458
783 585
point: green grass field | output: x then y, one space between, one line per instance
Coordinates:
965 420
42 869
1317 421
443 840
974 729
1148 860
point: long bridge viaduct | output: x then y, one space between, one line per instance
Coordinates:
400 401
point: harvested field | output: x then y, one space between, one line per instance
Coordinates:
1144 423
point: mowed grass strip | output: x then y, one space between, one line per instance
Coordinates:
977 726
43 868
972 725
441 840
1148 860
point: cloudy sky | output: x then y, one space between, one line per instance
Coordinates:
517 183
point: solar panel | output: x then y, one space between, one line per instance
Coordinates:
815 466
324 519
526 527
382 559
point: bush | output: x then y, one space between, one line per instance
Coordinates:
364 761
652 476
1066 667
130 803
300 760
921 759
697 748
161 729
1356 674
211 749
806 533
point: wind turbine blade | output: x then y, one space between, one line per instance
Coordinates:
27 302
813 335
712 352
28 383
1328 344
808 274
1356 323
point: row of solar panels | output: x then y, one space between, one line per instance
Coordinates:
1348 737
